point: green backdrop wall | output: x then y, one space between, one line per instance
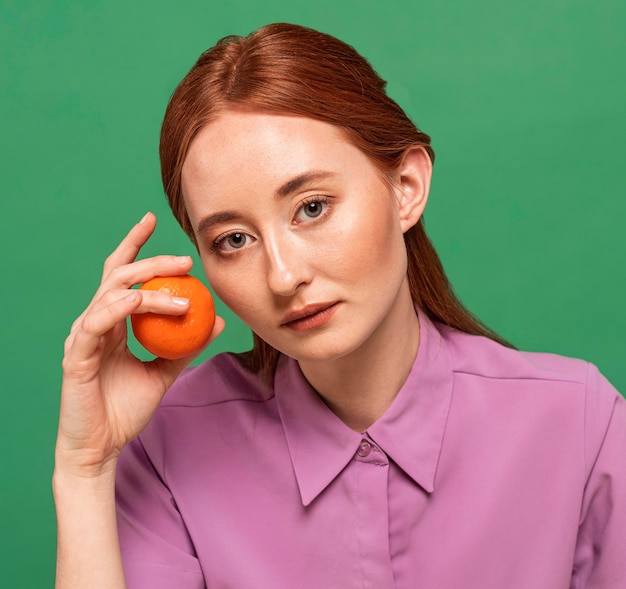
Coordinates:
524 100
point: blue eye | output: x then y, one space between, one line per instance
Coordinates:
231 241
236 240
312 209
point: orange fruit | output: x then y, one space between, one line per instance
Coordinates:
176 336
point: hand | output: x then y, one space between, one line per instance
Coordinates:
108 395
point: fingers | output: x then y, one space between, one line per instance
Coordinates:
129 247
133 273
86 342
156 301
120 261
219 326
103 323
170 369
121 271
122 278
101 315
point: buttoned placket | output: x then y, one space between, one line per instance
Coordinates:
371 499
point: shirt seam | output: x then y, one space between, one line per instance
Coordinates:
589 468
213 403
537 378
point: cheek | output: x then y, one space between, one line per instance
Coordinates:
236 292
372 239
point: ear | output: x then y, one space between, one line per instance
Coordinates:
412 181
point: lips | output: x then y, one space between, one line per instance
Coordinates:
309 316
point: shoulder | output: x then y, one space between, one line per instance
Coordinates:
485 358
220 379
204 409
567 388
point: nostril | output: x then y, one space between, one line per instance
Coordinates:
286 271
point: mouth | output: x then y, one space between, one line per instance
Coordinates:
309 316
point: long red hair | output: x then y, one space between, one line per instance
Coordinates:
293 70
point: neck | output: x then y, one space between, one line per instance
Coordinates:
360 387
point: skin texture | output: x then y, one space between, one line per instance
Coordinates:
331 247
107 398
274 248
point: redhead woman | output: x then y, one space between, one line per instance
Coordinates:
378 435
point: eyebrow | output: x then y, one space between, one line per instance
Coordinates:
215 219
286 189
302 180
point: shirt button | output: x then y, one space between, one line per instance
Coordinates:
364 449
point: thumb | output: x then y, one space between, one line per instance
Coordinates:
171 369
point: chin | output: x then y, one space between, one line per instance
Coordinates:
322 349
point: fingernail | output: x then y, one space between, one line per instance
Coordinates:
144 218
182 260
180 301
131 296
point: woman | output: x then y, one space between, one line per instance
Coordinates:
378 435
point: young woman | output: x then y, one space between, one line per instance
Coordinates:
378 435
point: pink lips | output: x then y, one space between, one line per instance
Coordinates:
310 316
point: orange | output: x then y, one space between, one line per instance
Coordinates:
176 336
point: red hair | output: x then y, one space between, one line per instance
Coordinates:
292 70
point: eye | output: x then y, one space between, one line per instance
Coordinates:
231 241
312 209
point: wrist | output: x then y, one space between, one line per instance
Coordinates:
88 553
84 461
70 473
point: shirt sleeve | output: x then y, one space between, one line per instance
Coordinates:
157 551
600 557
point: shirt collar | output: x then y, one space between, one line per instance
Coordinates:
410 432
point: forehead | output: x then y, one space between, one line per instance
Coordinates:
260 147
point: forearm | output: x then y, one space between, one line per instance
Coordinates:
88 551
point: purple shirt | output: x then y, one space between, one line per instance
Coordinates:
492 469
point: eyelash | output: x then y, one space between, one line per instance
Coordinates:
323 200
215 246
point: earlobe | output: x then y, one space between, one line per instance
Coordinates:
413 182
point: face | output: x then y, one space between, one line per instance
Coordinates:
298 234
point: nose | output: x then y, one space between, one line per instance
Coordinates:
287 267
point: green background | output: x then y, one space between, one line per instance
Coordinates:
524 100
